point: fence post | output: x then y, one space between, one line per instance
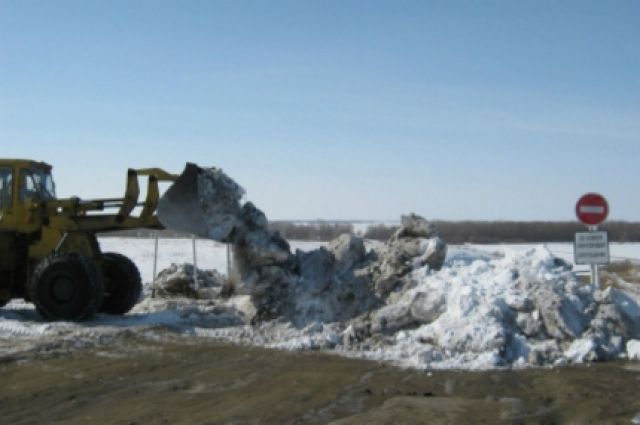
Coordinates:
155 266
195 263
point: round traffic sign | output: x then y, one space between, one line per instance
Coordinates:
592 209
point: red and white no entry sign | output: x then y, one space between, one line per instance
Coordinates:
592 209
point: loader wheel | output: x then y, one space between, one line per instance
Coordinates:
123 284
5 294
67 287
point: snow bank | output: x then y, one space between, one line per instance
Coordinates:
483 311
333 284
479 311
633 349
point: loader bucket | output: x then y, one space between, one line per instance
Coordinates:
180 207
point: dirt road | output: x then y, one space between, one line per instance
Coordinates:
185 381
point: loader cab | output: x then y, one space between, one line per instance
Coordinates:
36 183
22 182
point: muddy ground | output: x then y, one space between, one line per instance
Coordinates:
180 380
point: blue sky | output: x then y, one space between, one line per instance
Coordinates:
335 109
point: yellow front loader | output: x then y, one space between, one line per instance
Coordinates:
49 253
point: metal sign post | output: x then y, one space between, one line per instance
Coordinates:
595 278
592 247
595 275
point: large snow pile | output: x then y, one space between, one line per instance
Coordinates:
403 303
327 284
479 311
485 311
395 304
343 281
508 308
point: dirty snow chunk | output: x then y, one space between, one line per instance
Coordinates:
178 280
219 197
430 354
414 245
543 353
243 304
320 294
348 251
253 218
428 306
633 349
610 320
562 317
391 318
582 350
261 248
433 253
529 323
414 226
262 259
604 296
519 302
594 348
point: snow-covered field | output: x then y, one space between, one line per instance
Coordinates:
209 254
489 317
213 255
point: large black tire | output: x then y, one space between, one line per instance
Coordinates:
67 287
5 294
123 284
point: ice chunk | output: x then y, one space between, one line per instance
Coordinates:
582 350
633 349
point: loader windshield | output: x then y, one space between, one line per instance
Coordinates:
37 184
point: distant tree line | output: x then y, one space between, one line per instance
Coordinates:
146 233
319 230
455 232
458 232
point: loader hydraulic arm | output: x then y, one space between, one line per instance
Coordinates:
75 213
150 205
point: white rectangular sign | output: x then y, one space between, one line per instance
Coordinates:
591 248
